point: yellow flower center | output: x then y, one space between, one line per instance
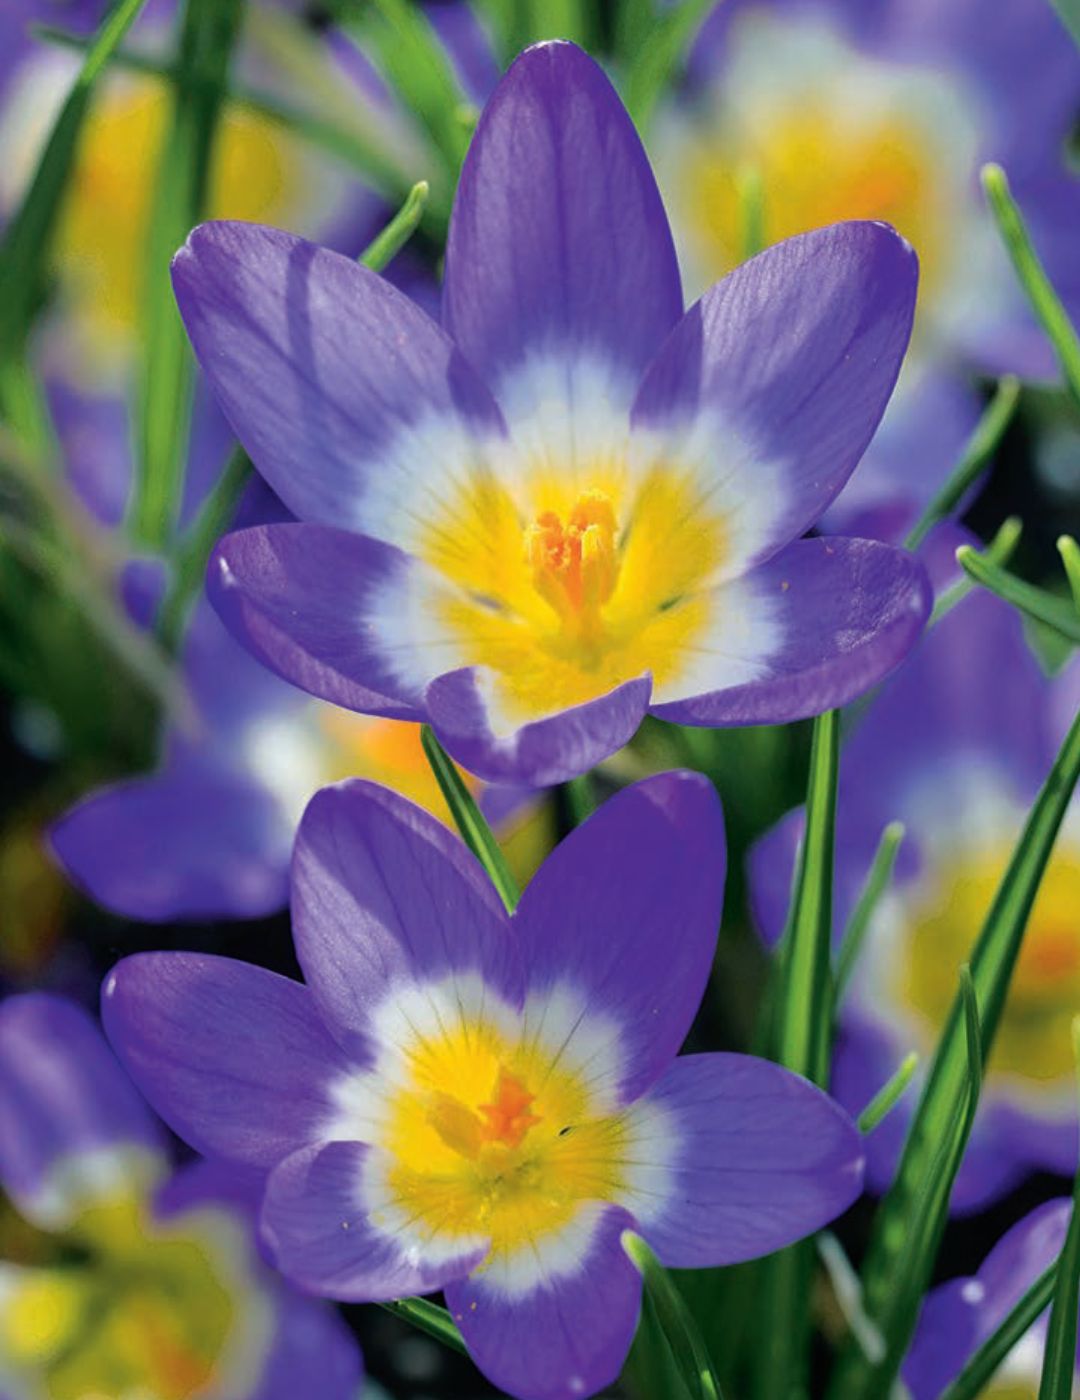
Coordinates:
490 1130
1033 1040
574 579
144 1308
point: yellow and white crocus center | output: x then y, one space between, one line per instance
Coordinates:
571 579
489 1132
137 1309
1033 1044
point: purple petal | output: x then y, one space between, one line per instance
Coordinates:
564 1332
625 911
313 1353
538 754
328 610
342 390
64 1101
317 1222
757 1157
194 841
385 896
770 388
819 625
960 1315
559 246
233 1057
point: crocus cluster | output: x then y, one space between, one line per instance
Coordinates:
463 1100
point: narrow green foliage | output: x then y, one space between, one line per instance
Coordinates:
352 145
656 60
690 1353
888 1096
975 458
208 30
751 211
983 1363
580 798
1070 558
876 883
408 51
28 237
385 246
1045 607
430 1318
805 995
902 1248
999 551
474 830
558 19
1059 1359
803 1019
189 563
1038 288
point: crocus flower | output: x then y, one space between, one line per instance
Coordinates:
843 110
462 1100
955 747
143 1282
960 1315
571 503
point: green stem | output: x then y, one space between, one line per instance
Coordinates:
1037 286
999 551
687 1347
1070 558
888 1096
1036 602
580 798
978 450
1059 1358
877 881
386 245
429 1318
474 830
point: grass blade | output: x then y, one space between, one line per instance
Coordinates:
1037 286
803 1020
429 1318
877 881
1055 612
893 1260
982 1364
1069 11
659 55
1059 1359
385 246
888 1096
208 30
978 450
1070 558
999 551
28 238
474 830
688 1349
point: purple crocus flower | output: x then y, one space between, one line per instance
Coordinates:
849 110
955 746
960 1315
462 1100
169 1296
572 503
